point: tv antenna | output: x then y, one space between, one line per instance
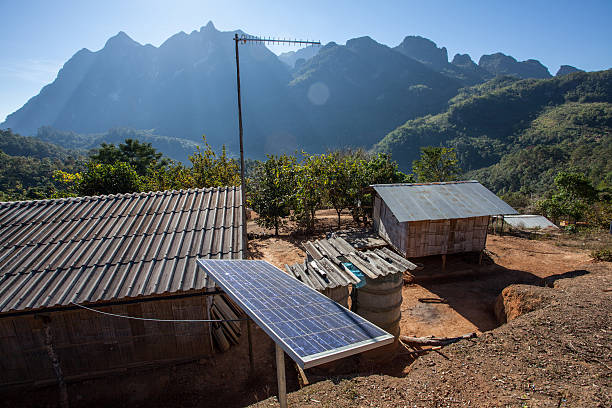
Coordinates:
247 39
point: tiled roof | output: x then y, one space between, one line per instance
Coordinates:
324 267
441 201
88 249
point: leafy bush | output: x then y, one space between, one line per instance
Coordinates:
604 255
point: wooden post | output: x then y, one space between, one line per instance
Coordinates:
55 362
302 376
501 231
280 376
208 314
250 339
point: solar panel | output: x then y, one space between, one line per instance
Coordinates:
311 328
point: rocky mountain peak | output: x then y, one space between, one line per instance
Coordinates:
121 39
502 64
424 50
208 27
567 69
463 60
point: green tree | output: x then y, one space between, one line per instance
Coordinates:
574 194
272 190
436 164
208 170
115 178
338 182
575 186
174 176
365 170
310 190
141 156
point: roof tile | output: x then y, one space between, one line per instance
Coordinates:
89 249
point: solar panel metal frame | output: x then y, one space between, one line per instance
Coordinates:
303 361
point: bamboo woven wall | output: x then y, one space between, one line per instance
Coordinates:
430 237
89 343
440 237
388 227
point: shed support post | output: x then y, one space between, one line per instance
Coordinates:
280 376
55 362
250 340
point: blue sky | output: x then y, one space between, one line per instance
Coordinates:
37 37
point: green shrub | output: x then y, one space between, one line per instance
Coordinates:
602 254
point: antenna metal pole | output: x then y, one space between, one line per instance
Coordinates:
242 178
249 39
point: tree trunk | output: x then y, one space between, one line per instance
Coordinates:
312 219
339 217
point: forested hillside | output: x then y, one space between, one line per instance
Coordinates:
17 145
512 134
173 147
27 166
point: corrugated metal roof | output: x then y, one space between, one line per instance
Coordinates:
441 201
87 249
529 221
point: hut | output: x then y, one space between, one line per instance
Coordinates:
435 218
124 254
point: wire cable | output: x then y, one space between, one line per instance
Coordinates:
160 320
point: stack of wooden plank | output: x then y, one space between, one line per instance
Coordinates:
323 267
225 333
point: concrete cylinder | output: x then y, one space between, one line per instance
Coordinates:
338 294
379 302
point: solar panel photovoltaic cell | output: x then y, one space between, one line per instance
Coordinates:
311 328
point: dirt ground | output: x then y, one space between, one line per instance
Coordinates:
445 306
559 355
456 306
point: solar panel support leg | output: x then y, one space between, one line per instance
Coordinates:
280 376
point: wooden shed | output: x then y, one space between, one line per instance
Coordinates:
126 254
435 218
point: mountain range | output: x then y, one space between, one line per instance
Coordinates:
514 134
317 98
